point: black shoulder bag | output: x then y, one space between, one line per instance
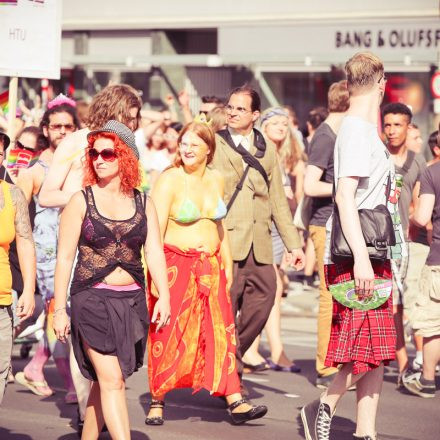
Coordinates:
377 229
250 160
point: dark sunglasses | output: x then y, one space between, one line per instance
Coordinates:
18 144
107 154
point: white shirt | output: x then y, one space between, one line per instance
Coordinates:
238 139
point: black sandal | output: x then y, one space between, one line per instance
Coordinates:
256 412
155 421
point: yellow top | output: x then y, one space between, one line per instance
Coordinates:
7 235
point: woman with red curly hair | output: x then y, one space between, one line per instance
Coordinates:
107 222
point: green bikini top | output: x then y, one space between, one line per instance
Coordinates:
189 212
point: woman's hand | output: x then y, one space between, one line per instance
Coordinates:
61 325
229 278
25 305
161 312
363 278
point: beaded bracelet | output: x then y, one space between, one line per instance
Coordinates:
58 310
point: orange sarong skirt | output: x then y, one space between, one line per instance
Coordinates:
197 349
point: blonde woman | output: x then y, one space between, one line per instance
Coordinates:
276 126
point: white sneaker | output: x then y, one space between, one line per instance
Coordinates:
416 365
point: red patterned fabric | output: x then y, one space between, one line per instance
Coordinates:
197 349
364 337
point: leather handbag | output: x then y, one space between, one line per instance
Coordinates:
303 213
377 229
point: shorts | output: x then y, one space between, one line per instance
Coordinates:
426 316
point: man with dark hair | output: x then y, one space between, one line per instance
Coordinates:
433 145
209 103
57 122
406 272
318 184
255 195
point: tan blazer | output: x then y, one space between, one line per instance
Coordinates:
250 218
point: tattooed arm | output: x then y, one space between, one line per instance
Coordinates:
26 253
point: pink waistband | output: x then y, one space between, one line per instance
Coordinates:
129 287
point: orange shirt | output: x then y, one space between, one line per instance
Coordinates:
7 235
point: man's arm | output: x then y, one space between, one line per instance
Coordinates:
351 228
313 186
51 194
25 182
424 209
26 253
184 107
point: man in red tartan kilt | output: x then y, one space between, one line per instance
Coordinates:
361 341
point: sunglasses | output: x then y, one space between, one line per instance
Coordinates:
18 144
107 154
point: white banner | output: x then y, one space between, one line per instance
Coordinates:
30 38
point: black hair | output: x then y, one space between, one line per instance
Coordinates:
63 108
432 141
4 139
176 126
397 108
317 116
248 90
212 100
41 141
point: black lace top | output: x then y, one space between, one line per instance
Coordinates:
105 244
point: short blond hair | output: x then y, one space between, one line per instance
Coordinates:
338 97
363 69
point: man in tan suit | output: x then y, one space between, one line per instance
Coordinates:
249 219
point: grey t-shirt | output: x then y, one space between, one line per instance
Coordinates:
321 151
359 152
415 164
430 184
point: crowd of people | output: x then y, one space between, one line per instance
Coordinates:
140 232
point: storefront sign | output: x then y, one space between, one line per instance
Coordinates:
416 39
30 38
402 38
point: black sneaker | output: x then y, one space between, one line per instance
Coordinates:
316 419
364 437
323 382
412 383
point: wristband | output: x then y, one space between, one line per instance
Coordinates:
59 310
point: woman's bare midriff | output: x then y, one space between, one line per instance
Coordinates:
119 277
202 234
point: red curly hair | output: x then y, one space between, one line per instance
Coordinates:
129 171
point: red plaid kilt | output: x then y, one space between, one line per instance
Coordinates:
364 337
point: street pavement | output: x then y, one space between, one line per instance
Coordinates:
25 416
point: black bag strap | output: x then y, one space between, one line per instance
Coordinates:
237 189
248 158
408 162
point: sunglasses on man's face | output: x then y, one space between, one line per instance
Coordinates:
107 154
18 144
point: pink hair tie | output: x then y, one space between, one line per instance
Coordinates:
60 100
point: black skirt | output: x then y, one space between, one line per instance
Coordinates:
110 322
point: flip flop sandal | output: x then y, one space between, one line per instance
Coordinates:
33 385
